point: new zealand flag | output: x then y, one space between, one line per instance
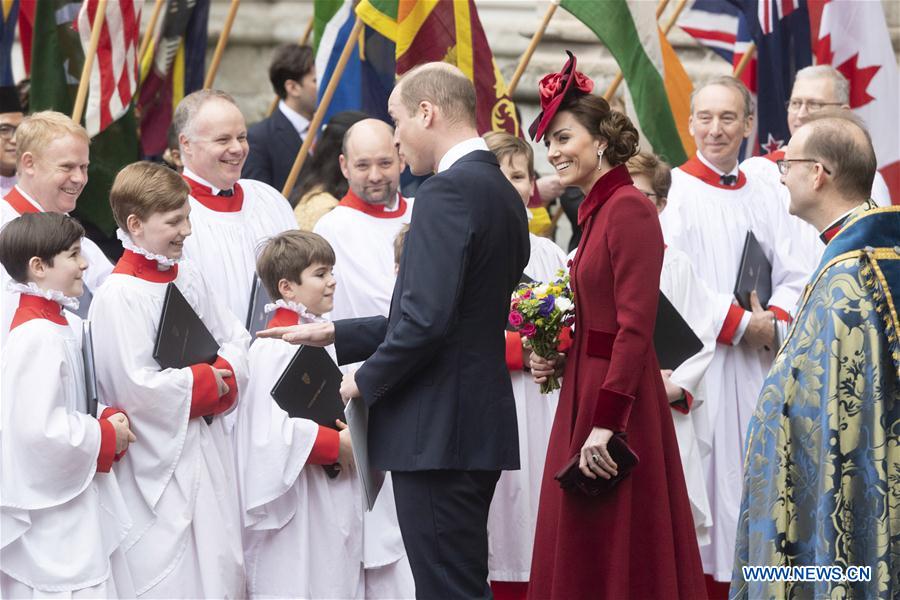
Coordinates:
780 29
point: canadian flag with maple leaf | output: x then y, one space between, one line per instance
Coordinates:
853 37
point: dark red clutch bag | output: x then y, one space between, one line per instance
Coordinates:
571 478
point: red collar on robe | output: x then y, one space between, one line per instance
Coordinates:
696 168
378 211
283 317
142 267
19 202
775 156
602 191
35 307
203 194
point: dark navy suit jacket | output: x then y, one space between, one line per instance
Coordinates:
274 144
435 376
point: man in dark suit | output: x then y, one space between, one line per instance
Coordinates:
275 140
441 411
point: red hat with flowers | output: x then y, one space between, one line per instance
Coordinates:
553 89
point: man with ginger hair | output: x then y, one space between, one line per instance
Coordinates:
441 409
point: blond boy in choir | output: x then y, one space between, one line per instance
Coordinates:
60 504
179 482
302 529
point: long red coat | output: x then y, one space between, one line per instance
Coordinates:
637 542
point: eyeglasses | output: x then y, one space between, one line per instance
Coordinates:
785 163
795 104
7 131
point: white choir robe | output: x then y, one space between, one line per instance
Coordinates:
98 269
178 478
302 531
709 223
695 303
513 512
62 523
225 244
365 273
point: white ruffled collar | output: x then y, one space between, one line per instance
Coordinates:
128 244
302 311
32 289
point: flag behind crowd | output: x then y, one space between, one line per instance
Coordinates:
9 13
172 68
659 86
368 77
449 31
853 37
56 63
114 71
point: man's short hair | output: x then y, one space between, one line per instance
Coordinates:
731 83
399 241
145 188
190 105
38 130
286 255
841 85
505 146
290 61
840 140
443 85
655 169
36 234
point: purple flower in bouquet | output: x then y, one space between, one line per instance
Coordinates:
528 329
516 319
547 305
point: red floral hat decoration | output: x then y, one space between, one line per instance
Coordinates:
553 89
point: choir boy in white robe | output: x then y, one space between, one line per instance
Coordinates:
231 217
513 513
711 206
178 481
53 158
684 386
62 516
361 229
302 530
815 87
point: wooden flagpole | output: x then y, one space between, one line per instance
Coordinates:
148 35
220 46
85 81
535 40
319 115
745 60
611 90
302 42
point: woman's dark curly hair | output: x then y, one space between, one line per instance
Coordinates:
594 113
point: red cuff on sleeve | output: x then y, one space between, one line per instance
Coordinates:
565 340
205 393
107 413
683 405
514 359
325 448
107 446
612 410
730 326
780 314
228 399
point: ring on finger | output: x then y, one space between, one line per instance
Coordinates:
595 458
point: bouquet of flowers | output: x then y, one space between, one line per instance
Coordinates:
539 311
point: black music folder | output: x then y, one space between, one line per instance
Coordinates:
754 273
673 338
182 339
310 387
90 373
256 311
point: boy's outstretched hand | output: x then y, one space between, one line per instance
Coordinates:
306 334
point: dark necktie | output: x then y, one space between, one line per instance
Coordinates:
728 180
226 193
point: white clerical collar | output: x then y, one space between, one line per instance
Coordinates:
7 183
191 175
459 150
716 169
28 197
300 123
840 218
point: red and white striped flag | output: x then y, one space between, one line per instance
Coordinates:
115 71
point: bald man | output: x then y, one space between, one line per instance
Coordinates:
821 474
362 229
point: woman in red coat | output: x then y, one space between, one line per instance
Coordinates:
636 541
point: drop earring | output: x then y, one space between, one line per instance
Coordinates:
600 159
